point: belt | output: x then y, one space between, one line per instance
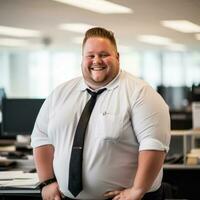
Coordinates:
155 195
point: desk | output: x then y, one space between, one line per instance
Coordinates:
181 167
23 194
24 164
187 134
185 178
8 193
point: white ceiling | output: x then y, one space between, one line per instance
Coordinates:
46 15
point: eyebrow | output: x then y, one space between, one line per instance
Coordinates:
90 52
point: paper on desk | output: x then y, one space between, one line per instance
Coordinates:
4 182
18 179
7 148
25 183
9 175
27 176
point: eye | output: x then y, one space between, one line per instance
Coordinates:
90 56
104 55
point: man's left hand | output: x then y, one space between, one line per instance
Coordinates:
126 194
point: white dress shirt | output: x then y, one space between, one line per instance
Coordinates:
128 117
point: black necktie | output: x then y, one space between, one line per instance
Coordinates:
75 168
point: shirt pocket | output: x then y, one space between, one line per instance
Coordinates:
108 126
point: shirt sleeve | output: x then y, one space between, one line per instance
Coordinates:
151 121
39 136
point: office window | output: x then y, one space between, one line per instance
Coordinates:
19 74
64 67
192 68
131 62
173 69
4 70
151 68
39 74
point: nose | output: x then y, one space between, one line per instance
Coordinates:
97 60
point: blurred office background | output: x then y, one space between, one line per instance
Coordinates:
40 42
158 41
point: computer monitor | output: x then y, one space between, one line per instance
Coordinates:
2 96
177 98
196 92
181 120
18 116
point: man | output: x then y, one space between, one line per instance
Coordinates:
127 135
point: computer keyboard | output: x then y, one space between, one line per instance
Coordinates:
13 155
33 170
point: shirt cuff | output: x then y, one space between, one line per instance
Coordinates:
39 142
153 144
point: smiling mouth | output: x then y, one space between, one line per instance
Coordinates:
97 68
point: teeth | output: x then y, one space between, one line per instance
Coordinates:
97 68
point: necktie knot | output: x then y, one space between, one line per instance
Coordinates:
94 94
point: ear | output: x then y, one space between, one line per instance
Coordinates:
117 56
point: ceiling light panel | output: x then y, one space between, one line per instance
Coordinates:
99 6
182 26
75 27
154 39
13 42
18 32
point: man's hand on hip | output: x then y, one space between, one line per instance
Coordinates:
51 192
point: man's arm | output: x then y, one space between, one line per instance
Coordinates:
43 157
149 165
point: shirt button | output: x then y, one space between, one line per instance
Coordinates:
104 113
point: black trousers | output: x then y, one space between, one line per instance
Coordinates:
156 195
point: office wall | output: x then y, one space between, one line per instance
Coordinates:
36 73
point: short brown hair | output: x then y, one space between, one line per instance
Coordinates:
100 32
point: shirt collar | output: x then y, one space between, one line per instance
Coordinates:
110 86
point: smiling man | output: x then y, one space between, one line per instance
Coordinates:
104 135
100 64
